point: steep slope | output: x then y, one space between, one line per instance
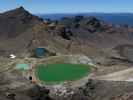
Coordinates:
108 45
21 31
88 34
94 30
14 22
14 29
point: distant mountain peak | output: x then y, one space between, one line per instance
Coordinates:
16 12
17 21
21 8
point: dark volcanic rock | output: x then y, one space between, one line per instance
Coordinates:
90 23
17 30
85 35
14 22
39 93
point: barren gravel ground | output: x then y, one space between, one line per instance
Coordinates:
124 75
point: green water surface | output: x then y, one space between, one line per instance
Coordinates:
61 72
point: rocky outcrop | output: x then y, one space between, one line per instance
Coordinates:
15 22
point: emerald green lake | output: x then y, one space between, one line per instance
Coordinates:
61 72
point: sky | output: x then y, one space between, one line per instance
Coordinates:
69 6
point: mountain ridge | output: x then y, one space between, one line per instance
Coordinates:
114 18
71 35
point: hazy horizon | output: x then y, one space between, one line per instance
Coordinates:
87 13
69 6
